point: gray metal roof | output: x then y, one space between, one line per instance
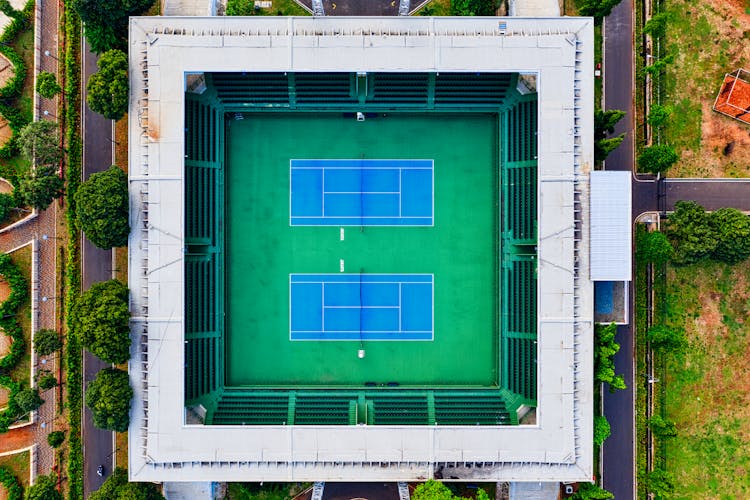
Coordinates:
611 234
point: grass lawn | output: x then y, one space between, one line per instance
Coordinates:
19 464
707 387
707 38
22 371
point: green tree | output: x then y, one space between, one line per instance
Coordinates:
46 85
690 232
102 208
40 142
13 488
660 483
432 490
602 430
108 396
117 487
27 400
47 381
103 318
7 203
47 341
44 489
657 25
732 230
473 7
665 338
657 158
107 90
106 21
55 438
590 491
654 246
658 115
604 124
598 9
662 427
605 349
40 186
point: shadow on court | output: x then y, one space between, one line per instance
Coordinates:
369 491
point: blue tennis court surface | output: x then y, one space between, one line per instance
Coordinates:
361 192
360 306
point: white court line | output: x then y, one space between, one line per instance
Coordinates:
341 234
341 267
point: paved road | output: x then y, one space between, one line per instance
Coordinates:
712 194
618 474
96 265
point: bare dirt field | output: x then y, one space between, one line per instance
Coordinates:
708 38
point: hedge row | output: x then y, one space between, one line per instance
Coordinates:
16 121
74 350
8 322
9 415
13 488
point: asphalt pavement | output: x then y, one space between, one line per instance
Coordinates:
618 466
712 194
96 265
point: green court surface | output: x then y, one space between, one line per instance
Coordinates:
262 249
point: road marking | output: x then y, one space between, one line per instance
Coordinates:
341 234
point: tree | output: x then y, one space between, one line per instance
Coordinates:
473 7
7 203
432 490
117 487
27 400
602 430
690 233
662 427
108 396
56 438
657 25
40 186
658 115
47 341
103 318
590 491
657 158
106 22
660 483
664 338
599 9
604 124
46 85
44 489
653 246
605 348
102 208
107 90
40 142
732 230
47 381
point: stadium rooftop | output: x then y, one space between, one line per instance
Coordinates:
554 58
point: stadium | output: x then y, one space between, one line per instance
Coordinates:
360 249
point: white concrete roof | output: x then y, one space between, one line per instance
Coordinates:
611 240
534 8
559 51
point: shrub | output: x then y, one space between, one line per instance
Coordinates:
7 203
473 7
660 483
662 427
103 208
590 491
46 85
602 430
654 247
605 349
658 115
657 158
598 9
107 90
44 489
664 338
102 318
55 438
46 342
12 485
657 25
117 486
108 396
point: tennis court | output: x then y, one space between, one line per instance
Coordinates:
365 192
360 307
